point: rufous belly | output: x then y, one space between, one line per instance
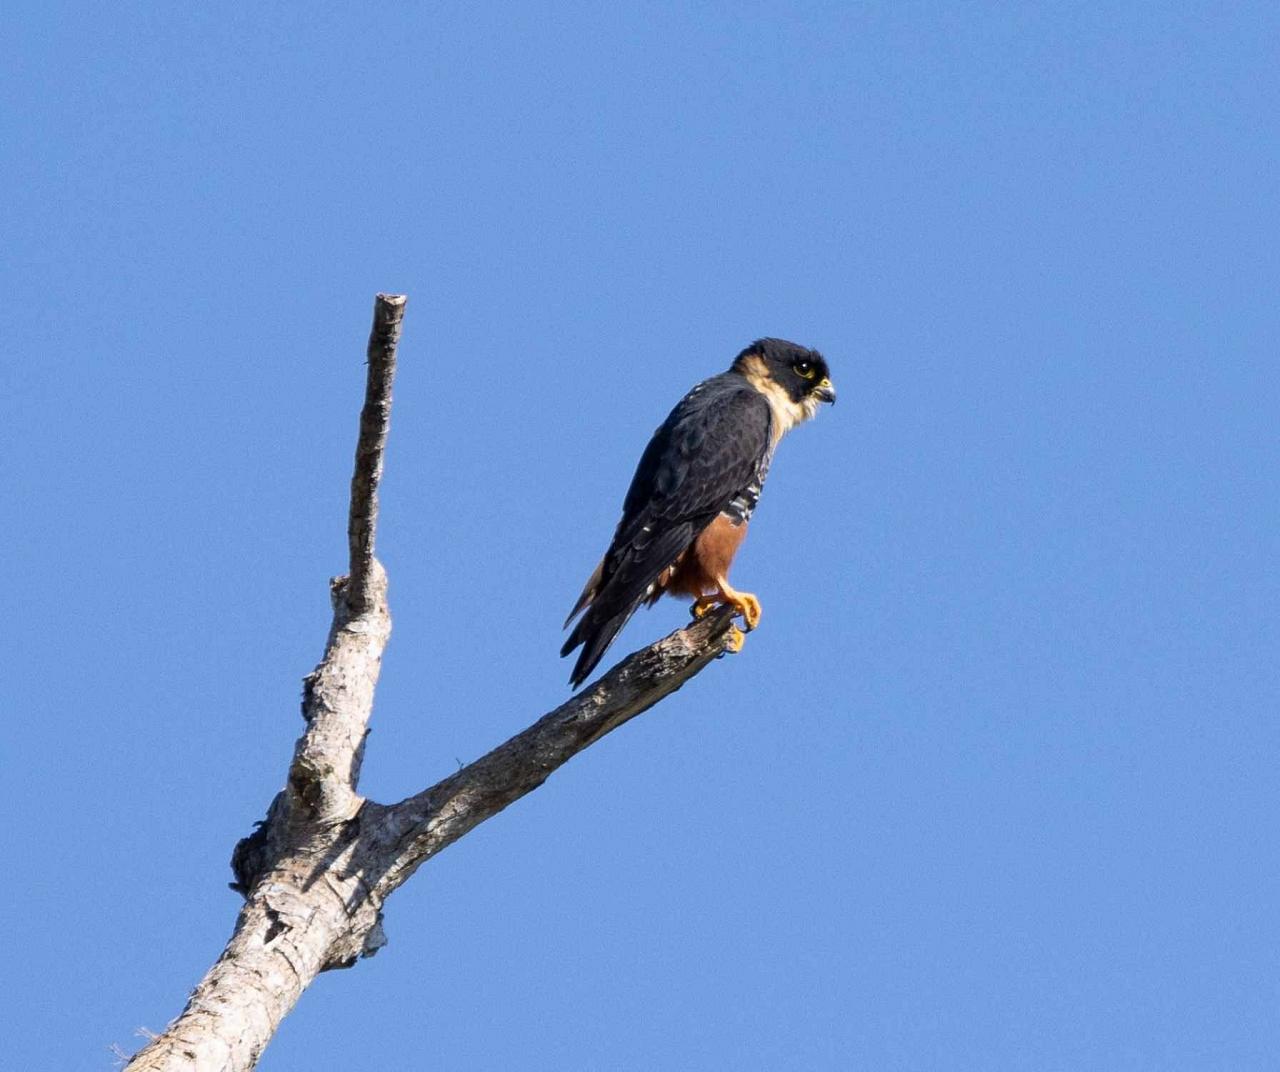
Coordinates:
700 568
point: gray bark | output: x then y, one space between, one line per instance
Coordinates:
317 872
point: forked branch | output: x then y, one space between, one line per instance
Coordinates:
316 873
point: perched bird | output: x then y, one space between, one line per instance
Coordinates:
695 488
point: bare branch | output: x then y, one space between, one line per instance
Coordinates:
292 927
422 825
337 702
337 699
375 420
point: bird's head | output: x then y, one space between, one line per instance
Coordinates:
793 378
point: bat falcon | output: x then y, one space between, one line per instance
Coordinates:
693 494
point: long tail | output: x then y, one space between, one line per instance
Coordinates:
589 592
595 638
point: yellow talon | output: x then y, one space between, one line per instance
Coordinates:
749 607
734 639
744 604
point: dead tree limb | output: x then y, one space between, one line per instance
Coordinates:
316 873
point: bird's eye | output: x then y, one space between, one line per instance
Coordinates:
805 369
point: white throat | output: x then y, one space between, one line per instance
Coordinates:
787 412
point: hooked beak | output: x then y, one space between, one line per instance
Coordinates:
826 391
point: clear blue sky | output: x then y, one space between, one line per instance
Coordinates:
994 785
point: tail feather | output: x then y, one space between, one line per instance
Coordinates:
609 603
595 638
589 591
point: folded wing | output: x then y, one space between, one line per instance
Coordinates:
709 449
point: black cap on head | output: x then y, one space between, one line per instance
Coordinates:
802 372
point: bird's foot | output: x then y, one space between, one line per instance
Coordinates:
734 639
746 605
704 605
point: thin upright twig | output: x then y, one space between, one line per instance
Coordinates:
375 421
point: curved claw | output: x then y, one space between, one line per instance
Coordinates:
749 607
702 606
744 605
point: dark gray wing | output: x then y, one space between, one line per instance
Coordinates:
708 450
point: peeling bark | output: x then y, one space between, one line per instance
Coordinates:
316 873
